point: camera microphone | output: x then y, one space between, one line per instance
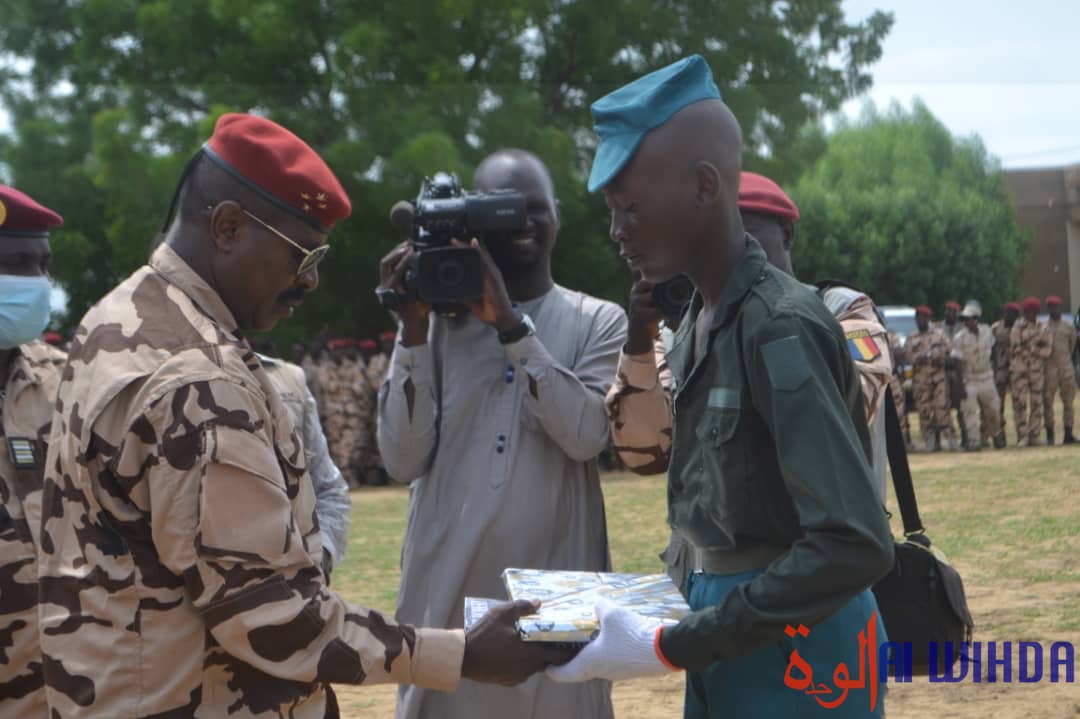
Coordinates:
401 216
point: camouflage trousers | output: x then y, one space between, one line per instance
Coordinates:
1063 380
932 402
897 391
981 413
1027 397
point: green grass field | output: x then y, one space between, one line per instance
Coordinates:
1008 520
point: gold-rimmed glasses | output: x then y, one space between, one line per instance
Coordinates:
312 258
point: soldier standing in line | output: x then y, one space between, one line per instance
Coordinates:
1029 345
928 349
29 375
999 356
973 344
954 380
1060 375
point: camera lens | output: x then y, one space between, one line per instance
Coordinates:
450 273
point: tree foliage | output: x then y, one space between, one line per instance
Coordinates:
110 97
912 215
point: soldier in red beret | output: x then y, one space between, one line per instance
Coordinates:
29 373
1000 354
928 350
1060 375
180 558
1029 346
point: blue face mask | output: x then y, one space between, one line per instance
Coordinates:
24 309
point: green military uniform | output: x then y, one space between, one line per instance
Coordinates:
770 474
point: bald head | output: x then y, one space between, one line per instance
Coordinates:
511 167
525 257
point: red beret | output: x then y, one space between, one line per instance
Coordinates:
366 344
1032 304
1053 300
950 305
21 216
758 193
388 335
339 343
280 166
1012 306
924 310
52 338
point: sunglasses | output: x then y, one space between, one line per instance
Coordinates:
312 258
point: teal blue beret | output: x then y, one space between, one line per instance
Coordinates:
622 118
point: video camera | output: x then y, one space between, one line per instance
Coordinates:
440 273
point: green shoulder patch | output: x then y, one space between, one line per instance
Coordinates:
785 359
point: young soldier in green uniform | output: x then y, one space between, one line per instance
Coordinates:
769 475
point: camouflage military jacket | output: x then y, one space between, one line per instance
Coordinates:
26 406
180 552
927 352
1062 343
999 355
1029 346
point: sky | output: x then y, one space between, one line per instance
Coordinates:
1006 71
1003 69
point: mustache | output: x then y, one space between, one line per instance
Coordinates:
293 295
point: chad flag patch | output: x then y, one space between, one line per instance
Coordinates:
862 346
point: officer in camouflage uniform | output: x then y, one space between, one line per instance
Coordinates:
999 355
180 551
1029 346
29 374
928 349
1060 375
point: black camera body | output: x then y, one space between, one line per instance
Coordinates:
442 274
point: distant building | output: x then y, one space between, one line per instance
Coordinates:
1047 202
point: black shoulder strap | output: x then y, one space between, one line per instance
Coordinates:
901 473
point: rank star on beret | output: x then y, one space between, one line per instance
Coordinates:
758 193
279 166
22 216
622 118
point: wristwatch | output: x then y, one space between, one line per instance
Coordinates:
518 332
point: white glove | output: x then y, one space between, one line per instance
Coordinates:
625 648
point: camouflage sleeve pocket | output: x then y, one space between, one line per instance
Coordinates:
244 510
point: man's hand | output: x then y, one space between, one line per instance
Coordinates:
625 648
494 652
643 318
494 307
414 314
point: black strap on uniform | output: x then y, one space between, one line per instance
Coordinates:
901 472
